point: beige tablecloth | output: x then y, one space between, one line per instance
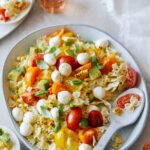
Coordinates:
129 26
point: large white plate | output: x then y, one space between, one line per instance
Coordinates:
5 28
131 133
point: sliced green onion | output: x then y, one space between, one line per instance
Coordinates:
41 64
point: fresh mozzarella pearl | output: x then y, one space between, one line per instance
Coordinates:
83 58
17 114
39 104
65 69
26 129
101 43
50 59
85 147
64 97
55 41
55 113
29 117
92 107
56 76
99 92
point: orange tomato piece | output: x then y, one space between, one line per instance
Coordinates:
58 87
108 62
86 135
31 75
84 67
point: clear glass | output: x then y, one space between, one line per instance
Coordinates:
52 6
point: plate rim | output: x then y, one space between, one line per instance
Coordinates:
28 144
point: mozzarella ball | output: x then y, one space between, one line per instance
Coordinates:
26 129
29 117
92 107
85 147
65 69
39 104
50 59
83 58
64 97
3 2
17 114
55 41
55 113
99 92
101 43
56 76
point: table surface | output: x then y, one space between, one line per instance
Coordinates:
82 12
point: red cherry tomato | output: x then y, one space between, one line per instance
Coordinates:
67 59
95 119
38 56
126 99
30 98
73 118
86 135
2 13
131 78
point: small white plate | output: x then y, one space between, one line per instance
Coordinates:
8 27
13 137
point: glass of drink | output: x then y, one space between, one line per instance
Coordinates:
52 6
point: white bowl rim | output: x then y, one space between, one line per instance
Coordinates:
30 146
21 16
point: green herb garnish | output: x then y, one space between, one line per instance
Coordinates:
96 63
68 43
84 123
53 49
39 93
41 64
77 82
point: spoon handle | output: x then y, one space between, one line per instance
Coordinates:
107 136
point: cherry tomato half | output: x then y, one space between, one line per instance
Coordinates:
95 119
86 135
38 56
68 59
131 78
126 99
30 98
73 118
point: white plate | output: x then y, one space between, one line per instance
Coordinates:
131 133
6 28
13 137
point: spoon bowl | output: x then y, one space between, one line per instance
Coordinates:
123 120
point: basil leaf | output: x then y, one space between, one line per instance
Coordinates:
39 93
5 138
53 49
68 43
1 132
70 52
77 82
60 110
57 125
45 112
84 123
96 63
41 64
